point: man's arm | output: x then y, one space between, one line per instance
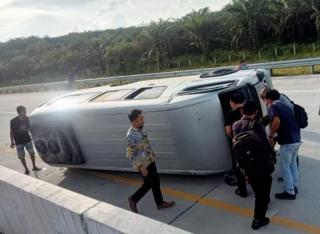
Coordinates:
274 125
11 136
273 129
228 130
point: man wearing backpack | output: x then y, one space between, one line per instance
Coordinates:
236 102
253 154
288 133
285 100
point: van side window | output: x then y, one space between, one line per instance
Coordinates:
72 99
147 93
114 95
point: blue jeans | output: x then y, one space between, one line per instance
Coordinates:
289 167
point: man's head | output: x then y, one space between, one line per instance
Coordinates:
136 118
22 111
271 96
250 108
263 93
236 100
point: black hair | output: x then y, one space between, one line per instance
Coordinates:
20 109
237 98
242 61
273 94
249 108
133 115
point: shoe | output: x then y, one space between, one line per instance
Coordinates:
256 224
280 179
285 196
166 205
27 172
133 205
296 190
36 169
230 180
241 193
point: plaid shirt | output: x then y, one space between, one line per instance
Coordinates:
138 149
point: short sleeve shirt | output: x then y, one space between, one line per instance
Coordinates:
20 129
288 131
232 116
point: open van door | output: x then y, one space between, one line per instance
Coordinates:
248 91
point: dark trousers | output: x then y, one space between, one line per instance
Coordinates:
241 180
261 185
151 181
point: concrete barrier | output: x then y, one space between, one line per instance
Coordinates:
32 206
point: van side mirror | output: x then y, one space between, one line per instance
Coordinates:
260 75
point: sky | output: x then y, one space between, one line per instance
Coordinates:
23 18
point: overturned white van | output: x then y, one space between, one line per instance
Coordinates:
184 119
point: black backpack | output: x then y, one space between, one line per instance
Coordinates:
247 147
300 114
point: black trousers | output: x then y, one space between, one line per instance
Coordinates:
151 181
241 179
261 185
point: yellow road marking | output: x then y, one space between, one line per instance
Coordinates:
278 220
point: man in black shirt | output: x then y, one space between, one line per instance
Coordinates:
259 168
20 138
236 103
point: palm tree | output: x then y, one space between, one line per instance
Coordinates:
316 16
250 21
199 25
296 24
154 41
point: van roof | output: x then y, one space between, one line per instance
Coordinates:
172 85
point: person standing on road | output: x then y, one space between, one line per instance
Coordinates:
259 165
289 138
20 138
236 103
285 100
143 159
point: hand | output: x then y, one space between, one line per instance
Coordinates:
12 145
272 142
144 171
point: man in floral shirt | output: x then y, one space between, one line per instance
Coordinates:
143 159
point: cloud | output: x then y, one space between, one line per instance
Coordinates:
22 18
44 4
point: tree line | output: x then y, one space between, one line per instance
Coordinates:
247 25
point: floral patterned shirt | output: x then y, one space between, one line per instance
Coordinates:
138 148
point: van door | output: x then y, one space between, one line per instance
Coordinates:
247 90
